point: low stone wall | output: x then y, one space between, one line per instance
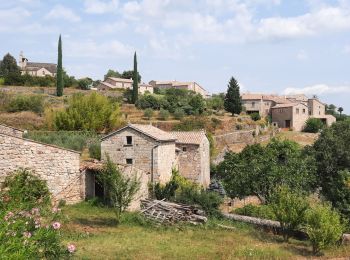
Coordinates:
11 131
236 137
58 167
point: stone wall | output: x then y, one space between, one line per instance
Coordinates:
235 137
59 167
11 131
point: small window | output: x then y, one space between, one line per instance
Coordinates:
184 149
129 140
297 110
304 111
253 104
128 161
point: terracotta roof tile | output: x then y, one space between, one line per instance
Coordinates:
193 137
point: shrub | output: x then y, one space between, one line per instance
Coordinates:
95 150
26 103
191 124
262 211
323 227
149 101
313 125
255 116
92 112
148 113
2 81
164 114
290 209
85 83
179 113
25 190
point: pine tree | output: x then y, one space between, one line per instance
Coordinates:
233 102
8 65
135 84
59 74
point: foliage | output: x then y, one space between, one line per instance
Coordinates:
93 112
112 73
257 170
255 116
197 103
95 150
129 74
313 125
261 211
164 114
191 124
85 83
323 226
119 189
59 73
332 154
33 103
135 82
179 113
8 66
148 113
289 209
25 190
67 139
149 101
233 102
2 81
216 102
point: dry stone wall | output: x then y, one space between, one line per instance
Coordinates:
59 167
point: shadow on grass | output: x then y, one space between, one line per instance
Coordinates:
97 222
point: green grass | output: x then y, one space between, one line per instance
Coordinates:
94 232
2 81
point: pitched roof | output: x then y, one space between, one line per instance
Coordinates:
121 80
34 66
288 105
148 130
192 137
107 84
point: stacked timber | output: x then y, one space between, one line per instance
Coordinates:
169 213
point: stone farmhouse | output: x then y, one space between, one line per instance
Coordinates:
36 68
193 86
158 152
119 83
287 111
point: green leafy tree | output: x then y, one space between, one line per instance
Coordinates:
197 103
257 170
112 73
148 113
135 82
129 74
179 113
313 125
8 65
255 116
332 154
233 102
85 83
331 110
216 102
340 110
59 74
289 209
120 190
164 114
323 226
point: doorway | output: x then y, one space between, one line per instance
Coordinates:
287 123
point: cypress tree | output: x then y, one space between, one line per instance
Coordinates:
59 74
233 102
135 84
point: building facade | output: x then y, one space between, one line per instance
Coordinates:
291 116
118 83
37 69
191 86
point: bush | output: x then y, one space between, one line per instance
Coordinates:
191 124
26 103
262 211
2 81
149 101
164 114
179 113
255 116
85 83
25 190
92 112
148 113
95 150
290 209
323 227
313 125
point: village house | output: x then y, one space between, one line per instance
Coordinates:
290 111
158 152
119 83
192 86
37 69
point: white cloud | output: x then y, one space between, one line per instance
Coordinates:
100 7
92 49
318 89
62 12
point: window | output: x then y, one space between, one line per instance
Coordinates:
128 161
304 111
184 149
253 104
297 110
129 140
43 72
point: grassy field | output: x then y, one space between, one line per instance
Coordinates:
96 236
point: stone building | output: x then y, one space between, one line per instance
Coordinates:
158 152
57 166
192 86
38 69
292 115
118 83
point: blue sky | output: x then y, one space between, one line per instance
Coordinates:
269 46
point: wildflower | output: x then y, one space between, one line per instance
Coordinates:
56 210
56 225
71 248
35 211
27 234
8 216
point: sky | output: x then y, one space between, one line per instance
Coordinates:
269 46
